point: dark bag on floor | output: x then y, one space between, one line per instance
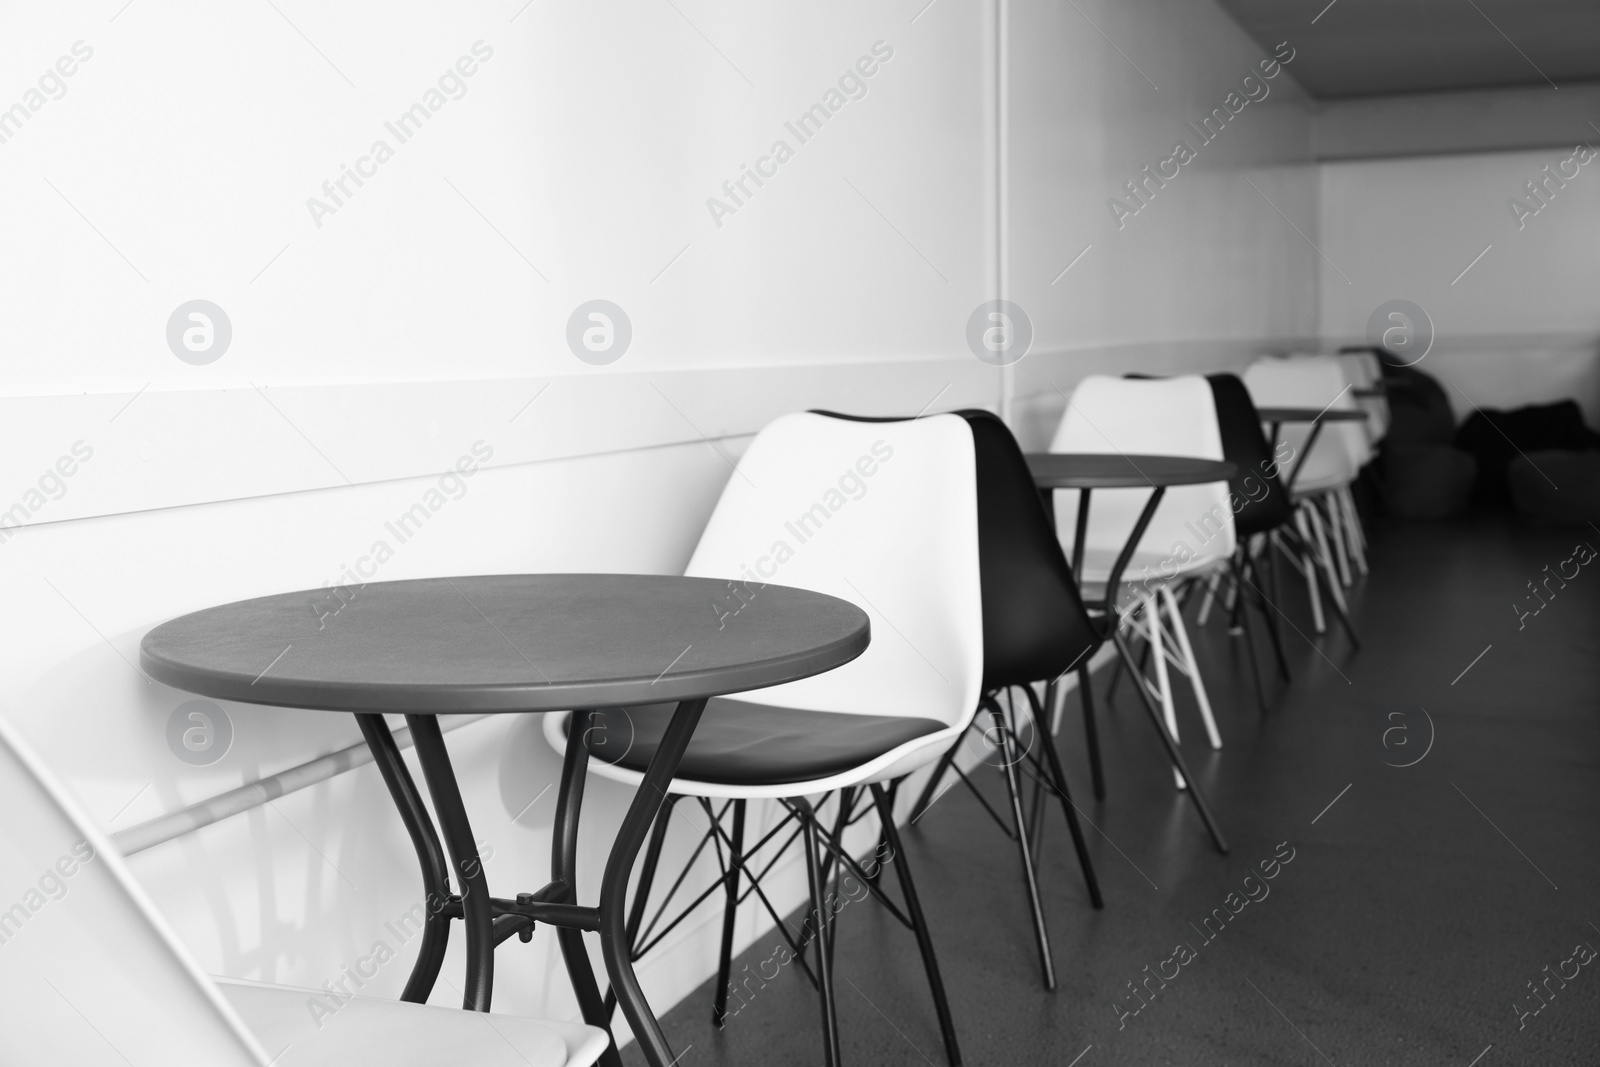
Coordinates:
1422 476
1495 438
1560 487
1419 410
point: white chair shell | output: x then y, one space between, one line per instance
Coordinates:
884 515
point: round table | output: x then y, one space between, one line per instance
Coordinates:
1115 470
1086 471
512 643
1277 416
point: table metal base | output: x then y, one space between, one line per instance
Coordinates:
490 920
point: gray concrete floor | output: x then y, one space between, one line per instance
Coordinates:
1415 912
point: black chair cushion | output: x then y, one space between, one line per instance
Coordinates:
749 744
1255 489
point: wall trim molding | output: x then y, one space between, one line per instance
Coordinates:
158 449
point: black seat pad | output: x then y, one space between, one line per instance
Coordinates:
750 744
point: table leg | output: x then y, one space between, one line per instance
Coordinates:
619 866
475 907
564 868
1114 580
1078 535
430 854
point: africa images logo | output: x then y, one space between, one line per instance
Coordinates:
199 332
199 733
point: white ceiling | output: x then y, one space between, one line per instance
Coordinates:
1372 47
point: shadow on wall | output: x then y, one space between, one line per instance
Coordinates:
280 892
529 774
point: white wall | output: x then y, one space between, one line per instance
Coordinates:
429 310
1521 325
1209 273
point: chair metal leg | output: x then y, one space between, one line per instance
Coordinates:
1091 733
1352 521
1210 598
730 910
1116 677
1158 653
1336 536
1308 568
1236 602
1343 617
824 933
877 869
1249 638
1270 579
1059 783
847 803
930 963
1178 765
1118 669
1325 556
931 789
1035 814
1335 594
1009 756
1191 666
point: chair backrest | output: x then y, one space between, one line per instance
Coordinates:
1357 436
1312 382
1374 366
1167 416
1257 491
90 973
1034 623
884 515
1362 372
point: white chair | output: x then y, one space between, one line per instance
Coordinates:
1191 534
1323 475
884 515
1361 369
91 974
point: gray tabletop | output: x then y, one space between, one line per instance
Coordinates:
1092 470
1310 415
504 643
